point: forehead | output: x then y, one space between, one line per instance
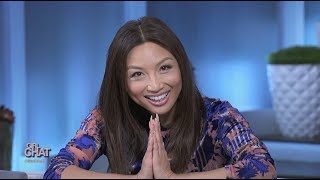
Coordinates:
147 52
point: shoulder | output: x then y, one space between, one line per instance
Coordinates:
93 121
215 106
224 116
222 111
94 113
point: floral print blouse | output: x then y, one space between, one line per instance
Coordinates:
227 142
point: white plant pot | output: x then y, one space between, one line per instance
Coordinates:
295 91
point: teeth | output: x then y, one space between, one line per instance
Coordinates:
157 98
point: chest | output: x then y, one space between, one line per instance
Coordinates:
207 156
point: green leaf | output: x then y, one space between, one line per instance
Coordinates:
296 55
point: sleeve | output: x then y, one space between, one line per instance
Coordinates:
82 150
249 157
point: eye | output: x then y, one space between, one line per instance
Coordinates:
136 75
165 67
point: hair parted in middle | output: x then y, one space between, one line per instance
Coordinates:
126 123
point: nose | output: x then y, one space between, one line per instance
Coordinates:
154 84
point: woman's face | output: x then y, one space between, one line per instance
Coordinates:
153 78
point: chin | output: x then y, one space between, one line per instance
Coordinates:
160 111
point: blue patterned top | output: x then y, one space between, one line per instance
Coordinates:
227 142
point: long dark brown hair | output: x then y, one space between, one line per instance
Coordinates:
126 123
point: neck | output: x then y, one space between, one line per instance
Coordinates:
167 119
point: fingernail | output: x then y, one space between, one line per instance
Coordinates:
157 117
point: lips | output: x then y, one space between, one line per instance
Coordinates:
159 100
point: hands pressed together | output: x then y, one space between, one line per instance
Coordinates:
155 163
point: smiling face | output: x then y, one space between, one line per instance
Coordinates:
153 78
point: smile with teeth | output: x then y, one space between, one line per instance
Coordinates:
159 100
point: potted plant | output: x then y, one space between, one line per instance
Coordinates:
6 134
294 82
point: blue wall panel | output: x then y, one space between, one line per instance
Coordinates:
228 44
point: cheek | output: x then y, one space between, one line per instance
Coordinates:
175 81
135 89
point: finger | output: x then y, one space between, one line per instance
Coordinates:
150 124
150 144
162 149
155 144
151 140
158 123
155 131
159 140
147 162
147 159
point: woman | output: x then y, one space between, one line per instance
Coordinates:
152 122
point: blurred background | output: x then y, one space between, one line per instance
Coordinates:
52 56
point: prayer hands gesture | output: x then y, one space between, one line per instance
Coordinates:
155 163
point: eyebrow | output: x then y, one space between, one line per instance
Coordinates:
163 60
